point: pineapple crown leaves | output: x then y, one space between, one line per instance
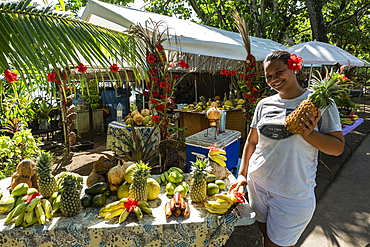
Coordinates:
200 168
69 182
44 164
142 170
326 90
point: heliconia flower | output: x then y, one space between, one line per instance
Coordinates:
345 78
151 58
114 68
160 107
163 84
52 76
159 47
10 76
156 119
294 62
131 204
81 68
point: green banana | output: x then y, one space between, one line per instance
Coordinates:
146 210
33 221
173 168
138 212
32 204
29 216
40 214
56 203
166 174
19 219
48 208
19 209
7 204
123 216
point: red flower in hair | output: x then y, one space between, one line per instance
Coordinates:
81 68
114 68
294 62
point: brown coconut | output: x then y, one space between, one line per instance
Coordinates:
35 181
102 165
21 179
94 178
116 175
26 168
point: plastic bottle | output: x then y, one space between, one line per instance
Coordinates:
119 113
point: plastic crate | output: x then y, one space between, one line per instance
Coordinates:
198 145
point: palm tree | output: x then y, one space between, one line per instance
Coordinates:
37 41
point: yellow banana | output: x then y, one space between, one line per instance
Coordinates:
217 210
19 209
114 213
29 216
222 157
35 201
111 210
219 205
225 197
123 216
217 152
48 208
219 161
40 214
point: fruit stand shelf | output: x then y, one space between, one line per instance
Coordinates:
87 229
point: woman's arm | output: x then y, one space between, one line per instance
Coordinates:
331 143
249 147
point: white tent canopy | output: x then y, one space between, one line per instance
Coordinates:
194 38
316 52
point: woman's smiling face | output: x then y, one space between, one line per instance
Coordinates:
279 77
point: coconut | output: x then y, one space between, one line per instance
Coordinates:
116 175
21 179
94 178
34 180
102 165
26 168
133 113
145 112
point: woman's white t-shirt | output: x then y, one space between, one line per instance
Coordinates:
284 163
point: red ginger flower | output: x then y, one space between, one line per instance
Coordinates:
294 62
10 76
81 68
114 68
131 204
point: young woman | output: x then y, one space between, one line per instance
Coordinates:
278 167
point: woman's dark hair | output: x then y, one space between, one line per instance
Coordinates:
281 55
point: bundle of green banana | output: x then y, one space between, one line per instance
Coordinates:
217 155
346 121
122 209
223 203
33 209
164 178
8 203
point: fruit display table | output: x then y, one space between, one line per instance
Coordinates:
118 132
197 121
88 229
348 128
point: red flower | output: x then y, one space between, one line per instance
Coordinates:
81 68
149 86
153 101
156 119
187 66
224 72
239 196
255 90
245 95
250 57
162 96
58 82
345 78
163 58
155 94
233 73
10 76
153 71
241 75
146 94
183 64
150 59
176 77
52 76
114 68
34 195
159 47
163 84
154 79
294 62
252 100
160 108
131 204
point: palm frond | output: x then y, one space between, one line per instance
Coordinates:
243 30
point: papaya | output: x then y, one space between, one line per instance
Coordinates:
97 188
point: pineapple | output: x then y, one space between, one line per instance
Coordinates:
46 181
140 175
326 91
70 202
198 189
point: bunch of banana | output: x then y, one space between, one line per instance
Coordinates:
218 155
28 213
197 108
346 121
55 201
118 209
177 206
189 107
223 203
163 178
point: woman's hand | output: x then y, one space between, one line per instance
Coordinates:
241 181
308 125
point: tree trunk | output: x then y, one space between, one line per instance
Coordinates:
314 8
256 20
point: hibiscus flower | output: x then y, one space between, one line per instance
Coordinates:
114 68
81 68
294 62
131 204
150 59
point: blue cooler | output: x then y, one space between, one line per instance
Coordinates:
198 145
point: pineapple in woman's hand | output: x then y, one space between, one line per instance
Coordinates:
326 91
199 171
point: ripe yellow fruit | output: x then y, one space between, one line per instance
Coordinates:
122 191
153 188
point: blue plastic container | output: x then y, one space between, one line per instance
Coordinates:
198 145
